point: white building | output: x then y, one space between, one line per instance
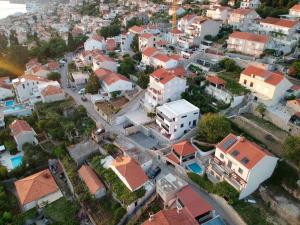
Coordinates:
105 62
113 82
52 94
22 133
217 12
37 190
165 85
165 61
242 19
94 42
266 86
295 11
177 118
241 163
251 4
6 88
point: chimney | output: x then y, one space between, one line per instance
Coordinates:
151 216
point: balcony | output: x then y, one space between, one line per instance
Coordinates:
163 117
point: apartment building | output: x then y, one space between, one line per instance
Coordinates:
242 19
147 40
247 43
177 118
94 42
217 12
266 86
165 85
251 4
186 21
241 163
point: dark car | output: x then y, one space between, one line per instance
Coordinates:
83 98
153 173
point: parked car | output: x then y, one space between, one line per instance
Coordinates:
83 98
81 91
153 173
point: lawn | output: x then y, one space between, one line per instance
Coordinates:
116 185
62 211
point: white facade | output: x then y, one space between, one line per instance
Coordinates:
252 4
5 93
42 201
119 85
159 93
218 13
25 137
177 118
92 44
243 19
244 177
105 64
167 64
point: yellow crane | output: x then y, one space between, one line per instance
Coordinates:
174 16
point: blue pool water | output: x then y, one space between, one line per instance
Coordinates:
16 161
14 108
195 168
9 103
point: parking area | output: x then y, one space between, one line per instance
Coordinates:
143 140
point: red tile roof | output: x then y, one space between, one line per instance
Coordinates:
243 11
109 77
184 148
103 58
296 8
171 217
280 22
189 16
90 179
36 186
131 171
193 202
136 29
171 156
216 80
146 35
269 77
19 126
176 31
111 44
295 87
149 51
249 37
162 57
97 37
247 150
52 90
165 76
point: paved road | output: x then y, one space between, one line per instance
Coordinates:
224 211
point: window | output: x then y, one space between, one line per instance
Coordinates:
23 86
229 164
240 171
245 82
189 123
251 84
221 156
181 125
183 116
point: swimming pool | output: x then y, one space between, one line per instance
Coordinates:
195 168
9 103
16 161
14 109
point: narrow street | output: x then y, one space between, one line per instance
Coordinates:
223 210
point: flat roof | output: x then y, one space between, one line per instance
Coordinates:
170 183
177 108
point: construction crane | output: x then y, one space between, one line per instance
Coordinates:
174 16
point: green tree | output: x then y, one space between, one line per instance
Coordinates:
134 22
214 127
110 31
135 44
261 109
71 42
13 40
3 172
3 43
294 69
59 152
228 65
143 80
93 85
291 149
54 76
127 66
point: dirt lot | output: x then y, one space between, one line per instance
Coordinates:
274 145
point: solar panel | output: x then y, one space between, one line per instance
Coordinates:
229 143
235 153
245 160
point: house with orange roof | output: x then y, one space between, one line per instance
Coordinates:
94 42
165 85
105 62
26 87
195 205
52 93
248 43
241 163
164 61
147 55
129 172
147 40
266 86
23 133
242 19
171 217
182 152
295 11
37 190
186 21
92 181
111 44
113 82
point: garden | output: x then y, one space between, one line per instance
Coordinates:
123 194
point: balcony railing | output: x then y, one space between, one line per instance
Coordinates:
163 117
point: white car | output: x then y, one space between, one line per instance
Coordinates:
81 91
